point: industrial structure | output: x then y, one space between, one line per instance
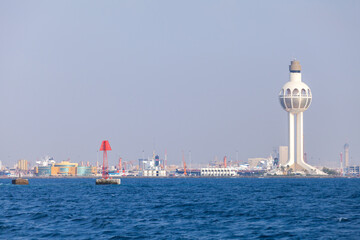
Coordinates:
154 173
153 166
295 97
184 164
341 165
353 170
346 154
348 170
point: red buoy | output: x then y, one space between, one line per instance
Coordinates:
105 146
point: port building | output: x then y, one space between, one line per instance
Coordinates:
218 172
43 171
154 173
353 170
85 171
65 168
254 162
152 167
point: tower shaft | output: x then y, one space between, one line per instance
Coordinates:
291 160
299 138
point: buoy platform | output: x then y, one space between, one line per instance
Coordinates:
20 181
103 181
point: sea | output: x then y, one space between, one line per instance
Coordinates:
181 208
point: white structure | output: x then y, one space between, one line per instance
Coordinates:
283 155
152 167
295 97
346 153
218 172
154 173
353 170
46 161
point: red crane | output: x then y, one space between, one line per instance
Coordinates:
120 165
105 146
124 167
184 164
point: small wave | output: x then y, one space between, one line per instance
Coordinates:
354 195
343 219
50 235
4 227
37 216
100 223
120 237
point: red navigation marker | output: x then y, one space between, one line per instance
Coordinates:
105 146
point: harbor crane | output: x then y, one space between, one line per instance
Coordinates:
184 163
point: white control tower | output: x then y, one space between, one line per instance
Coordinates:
295 97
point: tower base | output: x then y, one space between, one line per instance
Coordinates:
306 168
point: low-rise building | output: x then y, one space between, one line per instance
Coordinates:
65 168
218 172
154 173
43 171
353 170
85 171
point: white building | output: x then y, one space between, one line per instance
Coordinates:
154 173
218 172
46 161
283 155
346 154
353 170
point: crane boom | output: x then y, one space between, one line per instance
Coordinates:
184 163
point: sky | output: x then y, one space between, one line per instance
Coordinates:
199 76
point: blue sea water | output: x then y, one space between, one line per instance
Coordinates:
185 208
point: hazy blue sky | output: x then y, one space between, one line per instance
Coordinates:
177 75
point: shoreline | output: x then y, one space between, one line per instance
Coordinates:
176 177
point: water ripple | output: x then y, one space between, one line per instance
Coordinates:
181 209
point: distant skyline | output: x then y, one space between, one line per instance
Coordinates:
176 75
